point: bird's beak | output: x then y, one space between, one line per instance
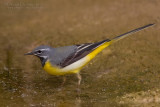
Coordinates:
29 53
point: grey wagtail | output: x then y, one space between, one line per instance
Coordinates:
71 59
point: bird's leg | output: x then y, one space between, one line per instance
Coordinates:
79 78
79 82
62 84
64 80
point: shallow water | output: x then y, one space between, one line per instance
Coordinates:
125 74
46 90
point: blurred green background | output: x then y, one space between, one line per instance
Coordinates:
125 74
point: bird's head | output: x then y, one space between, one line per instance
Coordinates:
41 52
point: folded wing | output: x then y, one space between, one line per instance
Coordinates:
81 51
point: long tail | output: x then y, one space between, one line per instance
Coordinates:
105 43
117 38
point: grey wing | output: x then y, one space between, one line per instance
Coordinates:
81 51
58 55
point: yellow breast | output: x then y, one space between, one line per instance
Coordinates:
51 69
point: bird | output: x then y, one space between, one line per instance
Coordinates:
71 59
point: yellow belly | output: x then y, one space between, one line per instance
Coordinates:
53 70
76 66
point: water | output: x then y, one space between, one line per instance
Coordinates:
18 90
125 74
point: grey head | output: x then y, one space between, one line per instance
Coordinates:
41 52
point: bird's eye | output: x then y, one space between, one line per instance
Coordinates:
39 51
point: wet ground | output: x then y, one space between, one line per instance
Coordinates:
125 74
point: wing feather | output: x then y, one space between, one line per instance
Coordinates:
82 51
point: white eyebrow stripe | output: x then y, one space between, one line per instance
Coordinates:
45 49
42 49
